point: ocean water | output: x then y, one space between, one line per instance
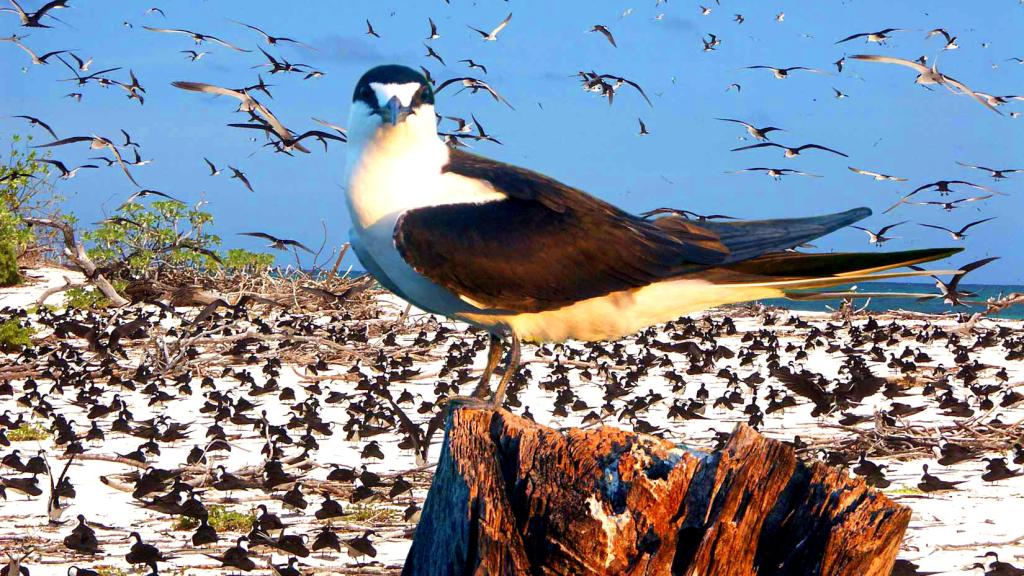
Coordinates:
933 306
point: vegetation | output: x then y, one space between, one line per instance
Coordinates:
221 519
14 336
25 190
27 433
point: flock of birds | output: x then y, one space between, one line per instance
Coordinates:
92 379
98 385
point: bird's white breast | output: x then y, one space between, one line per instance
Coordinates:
392 170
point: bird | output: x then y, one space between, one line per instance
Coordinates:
958 234
606 32
277 243
952 295
790 152
492 36
471 64
879 238
65 173
36 59
643 127
877 175
943 188
523 256
839 93
95 143
755 132
214 171
272 40
927 76
247 104
776 173
783 73
474 85
240 176
711 43
198 37
370 31
433 30
32 20
37 122
950 40
951 205
237 556
932 483
996 174
877 37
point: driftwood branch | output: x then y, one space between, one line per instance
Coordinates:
513 497
76 253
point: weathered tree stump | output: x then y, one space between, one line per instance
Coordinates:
512 497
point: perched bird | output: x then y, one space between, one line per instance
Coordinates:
520 255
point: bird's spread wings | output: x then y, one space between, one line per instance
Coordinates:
545 246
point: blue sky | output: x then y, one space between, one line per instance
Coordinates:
887 124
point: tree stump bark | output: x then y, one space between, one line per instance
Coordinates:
512 497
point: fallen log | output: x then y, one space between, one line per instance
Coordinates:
512 497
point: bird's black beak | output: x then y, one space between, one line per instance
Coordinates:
393 112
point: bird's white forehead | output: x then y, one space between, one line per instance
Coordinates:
385 92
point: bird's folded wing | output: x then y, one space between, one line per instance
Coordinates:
545 245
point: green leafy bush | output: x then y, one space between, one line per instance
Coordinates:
14 336
27 433
221 519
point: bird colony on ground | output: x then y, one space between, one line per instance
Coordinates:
252 437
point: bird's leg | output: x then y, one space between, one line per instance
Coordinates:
493 357
510 369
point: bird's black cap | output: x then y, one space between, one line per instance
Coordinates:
392 74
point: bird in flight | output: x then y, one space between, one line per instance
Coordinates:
32 19
927 76
523 256
37 122
783 73
877 37
790 152
65 173
943 188
879 238
493 34
776 173
996 174
198 37
951 205
277 243
606 32
95 143
755 132
877 175
240 176
958 234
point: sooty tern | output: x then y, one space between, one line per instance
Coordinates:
521 255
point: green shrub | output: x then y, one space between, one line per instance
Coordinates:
27 433
221 519
8 264
14 336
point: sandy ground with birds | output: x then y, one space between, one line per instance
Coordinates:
949 532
